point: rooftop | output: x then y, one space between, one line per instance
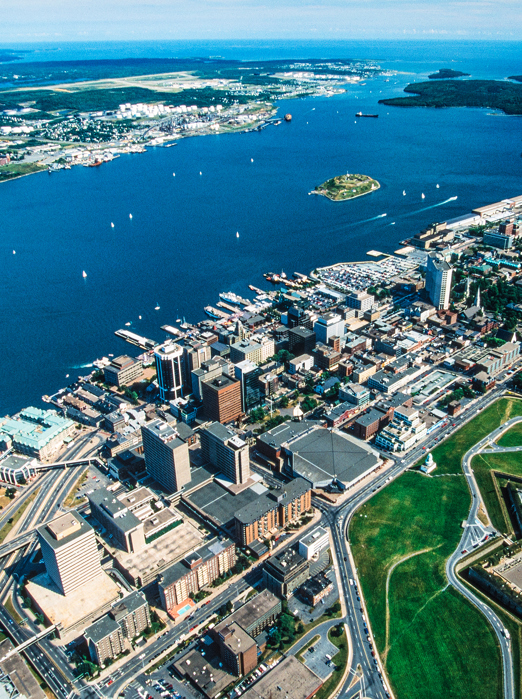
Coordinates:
64 529
101 629
264 503
295 679
325 455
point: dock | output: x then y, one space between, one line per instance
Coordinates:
258 291
142 342
218 313
228 306
171 330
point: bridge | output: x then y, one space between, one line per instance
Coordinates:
29 642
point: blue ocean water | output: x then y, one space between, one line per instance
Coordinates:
180 248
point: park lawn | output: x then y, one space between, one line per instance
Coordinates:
413 513
448 651
483 464
511 438
448 455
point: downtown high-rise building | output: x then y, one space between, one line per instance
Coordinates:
169 368
166 455
438 280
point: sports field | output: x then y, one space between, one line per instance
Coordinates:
432 641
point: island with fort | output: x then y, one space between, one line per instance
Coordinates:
346 186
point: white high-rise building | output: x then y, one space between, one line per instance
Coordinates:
438 280
70 552
169 367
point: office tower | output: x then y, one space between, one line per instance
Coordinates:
327 326
166 455
438 280
226 451
248 375
169 367
123 371
360 300
221 399
298 316
70 552
301 341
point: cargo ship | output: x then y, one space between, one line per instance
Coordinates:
373 116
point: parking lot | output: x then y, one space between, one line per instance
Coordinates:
303 610
316 660
95 479
160 686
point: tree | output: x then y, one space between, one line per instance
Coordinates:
230 606
284 402
223 610
274 637
300 628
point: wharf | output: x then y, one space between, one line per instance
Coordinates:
228 306
137 340
171 330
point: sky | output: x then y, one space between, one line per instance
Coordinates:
99 20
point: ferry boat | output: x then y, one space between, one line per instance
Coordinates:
230 297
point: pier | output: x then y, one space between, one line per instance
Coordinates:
137 340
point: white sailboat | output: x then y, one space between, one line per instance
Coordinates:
112 225
251 160
130 216
139 317
14 252
437 186
84 274
127 323
237 234
156 308
200 172
422 196
403 192
173 174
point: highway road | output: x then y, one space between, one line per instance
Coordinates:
53 666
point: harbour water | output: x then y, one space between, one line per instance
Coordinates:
180 249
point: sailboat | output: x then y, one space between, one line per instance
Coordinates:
422 196
14 252
437 186
173 174
84 274
156 308
112 225
237 234
127 323
403 192
139 317
251 160
130 216
200 172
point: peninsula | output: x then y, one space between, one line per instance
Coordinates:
495 94
346 186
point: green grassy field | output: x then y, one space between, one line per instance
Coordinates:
432 641
449 453
8 172
511 438
483 464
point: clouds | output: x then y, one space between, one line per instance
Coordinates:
243 19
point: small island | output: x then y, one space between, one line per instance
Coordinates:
445 73
346 186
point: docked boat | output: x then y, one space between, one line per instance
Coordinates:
230 297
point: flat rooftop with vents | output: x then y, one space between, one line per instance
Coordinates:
324 456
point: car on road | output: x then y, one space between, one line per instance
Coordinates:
465 551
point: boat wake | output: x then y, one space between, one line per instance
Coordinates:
366 220
425 208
